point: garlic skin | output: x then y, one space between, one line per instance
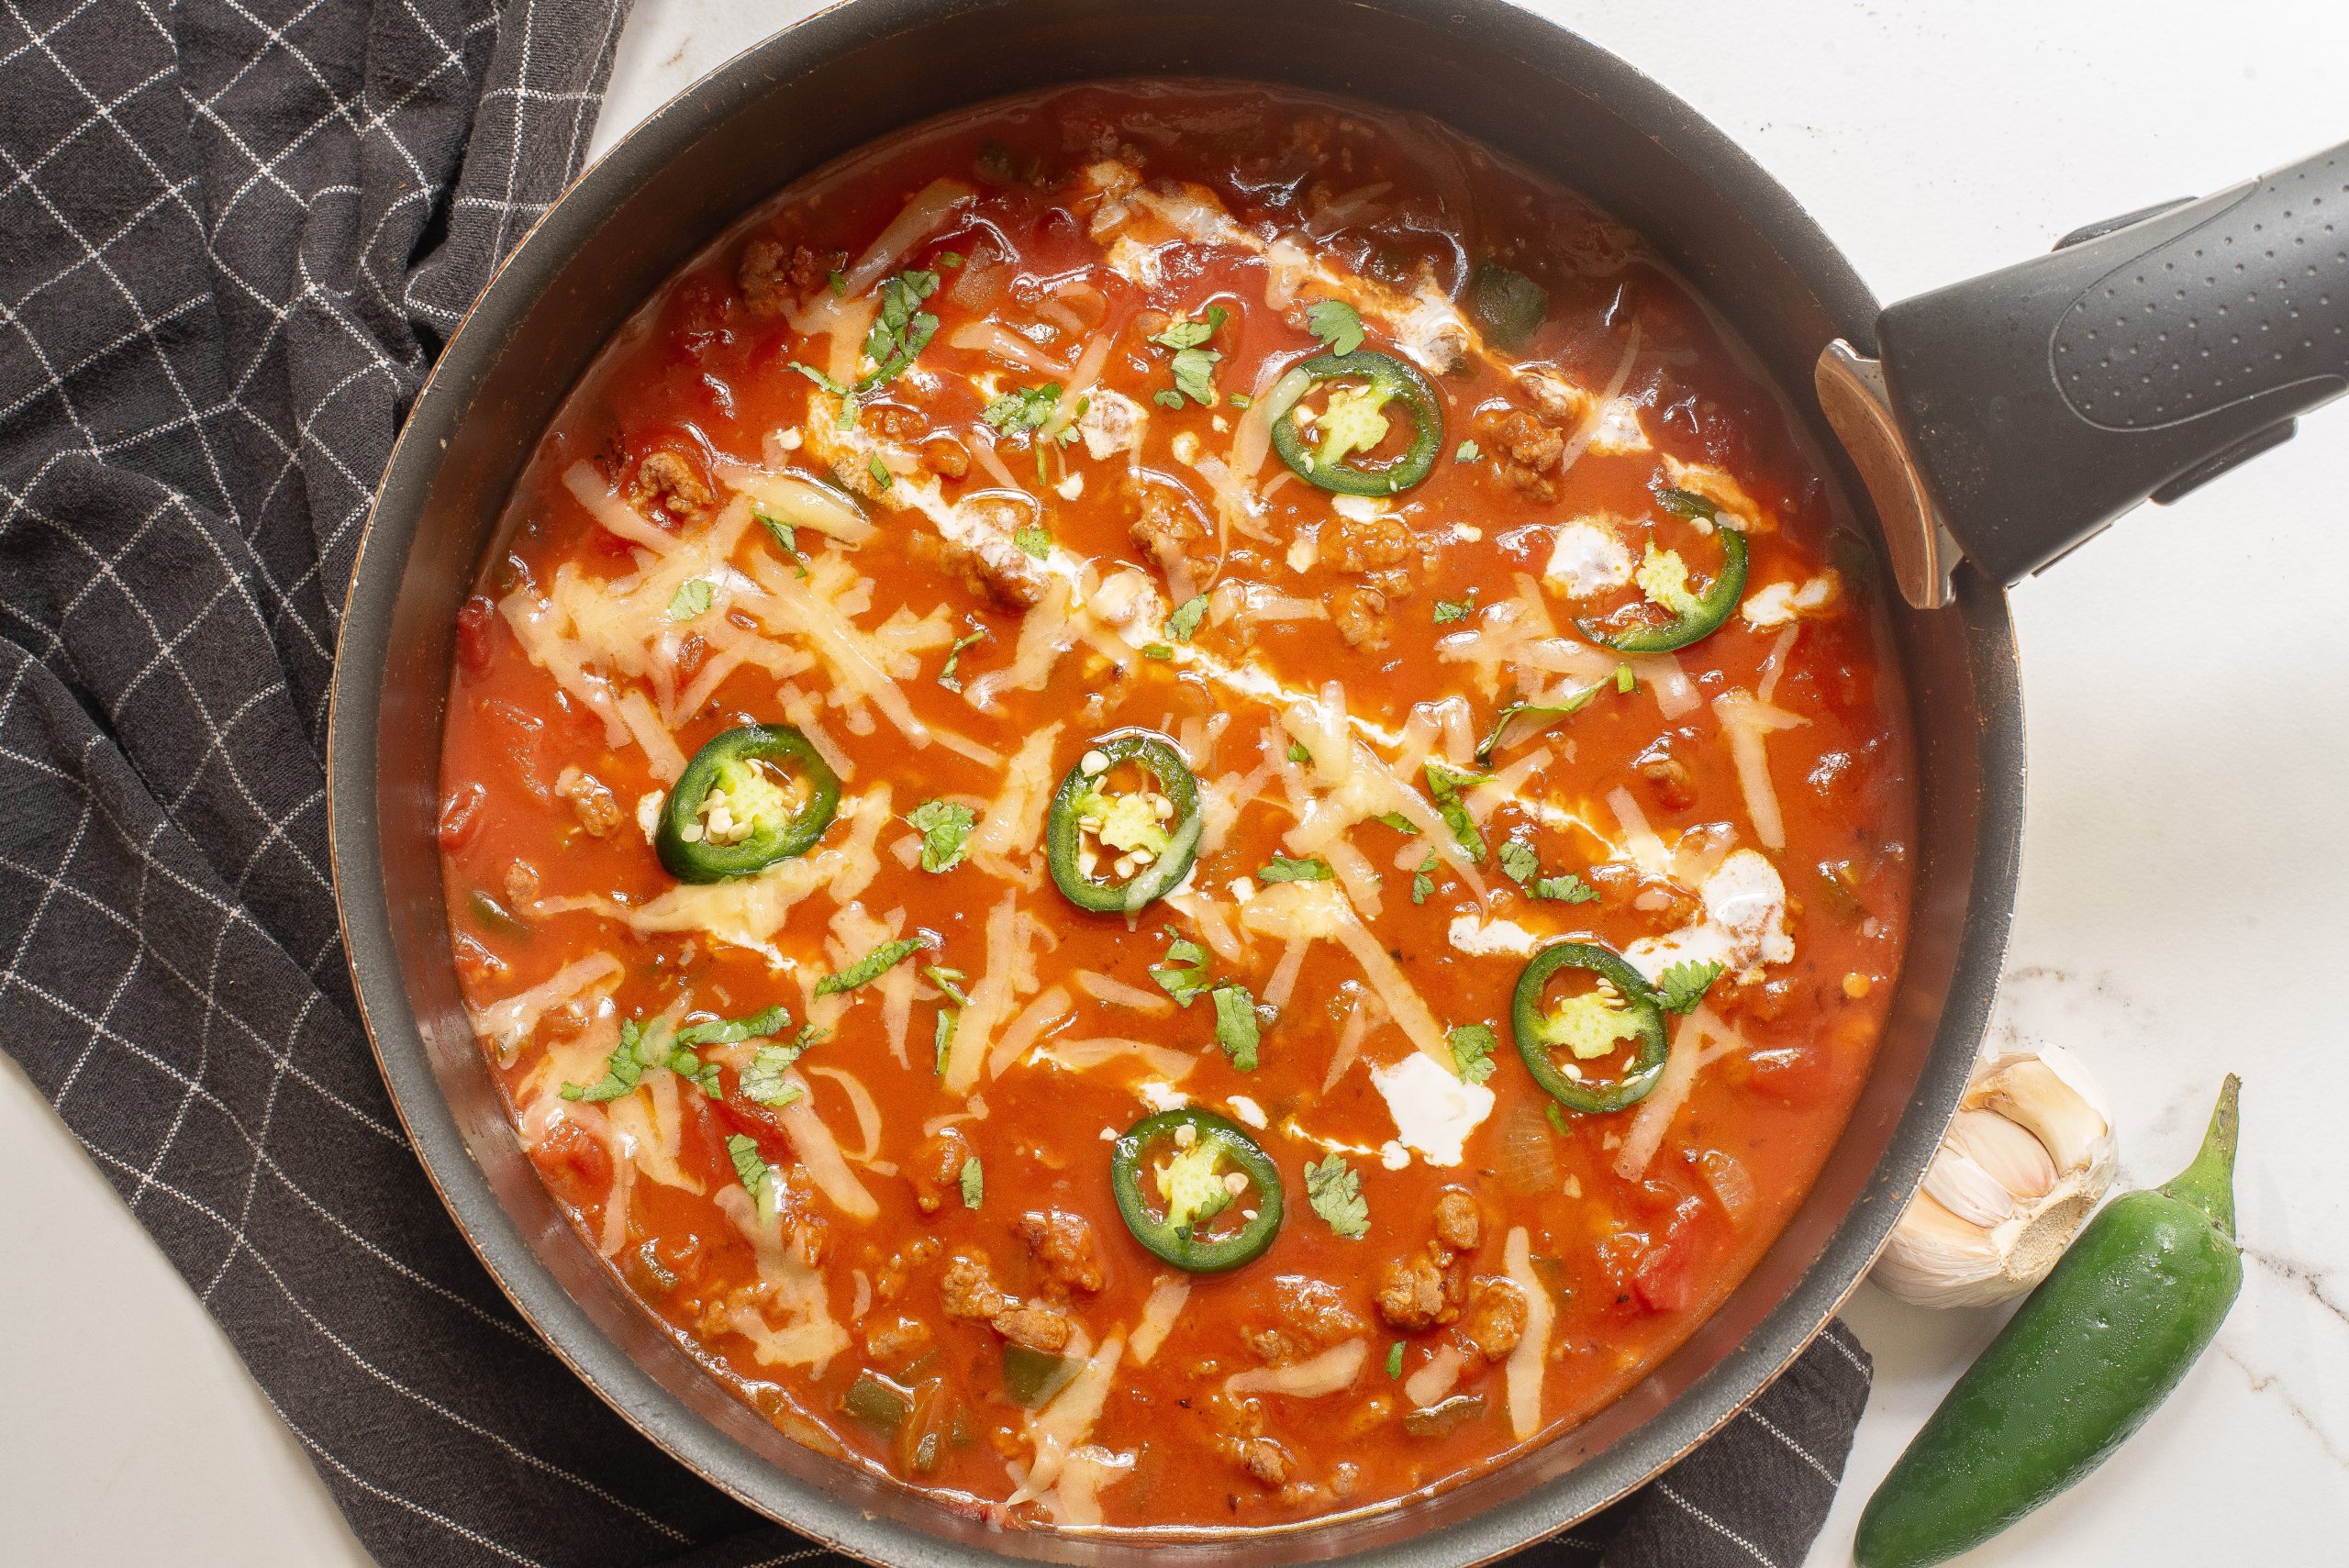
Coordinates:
2026 1160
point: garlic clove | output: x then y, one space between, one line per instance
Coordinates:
2011 1154
2025 1162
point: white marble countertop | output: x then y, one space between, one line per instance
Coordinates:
2183 907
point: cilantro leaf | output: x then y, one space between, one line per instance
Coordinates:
1193 365
820 378
1542 713
1235 1024
871 966
733 1031
974 1185
622 1070
1422 881
1472 1052
1184 973
786 538
1520 863
943 825
762 1081
1445 783
1283 869
946 676
1450 610
900 331
950 981
882 477
1683 985
1335 1192
1401 823
1184 621
1033 537
1395 1352
1023 409
1297 754
1565 888
1469 452
758 1177
1335 323
1166 399
691 599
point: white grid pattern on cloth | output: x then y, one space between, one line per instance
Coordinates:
231 234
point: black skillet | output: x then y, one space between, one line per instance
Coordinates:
1979 433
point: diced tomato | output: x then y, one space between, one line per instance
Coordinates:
475 621
1660 1280
461 818
574 1165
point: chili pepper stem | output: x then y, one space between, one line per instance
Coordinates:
2207 1184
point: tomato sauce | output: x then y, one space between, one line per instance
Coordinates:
947 1293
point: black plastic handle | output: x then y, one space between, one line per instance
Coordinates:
2143 356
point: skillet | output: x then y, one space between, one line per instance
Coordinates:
1976 433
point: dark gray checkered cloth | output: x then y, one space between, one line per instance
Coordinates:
232 235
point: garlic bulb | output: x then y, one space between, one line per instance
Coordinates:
2023 1163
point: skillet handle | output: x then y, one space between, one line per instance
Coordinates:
2143 356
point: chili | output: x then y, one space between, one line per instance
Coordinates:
1360 425
1196 1190
1157 850
2092 1351
733 770
1539 1032
1712 607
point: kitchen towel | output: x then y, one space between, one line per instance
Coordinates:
232 236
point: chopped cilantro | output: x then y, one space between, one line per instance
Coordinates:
1396 820
763 1080
1519 862
1423 880
622 1070
691 599
733 1031
943 1041
1297 754
943 825
1450 610
950 258
1683 985
1194 364
1395 1350
838 282
1184 621
1335 323
1235 1024
1184 973
871 966
973 1182
786 538
1469 452
900 331
1282 869
1472 1052
1335 1192
1542 713
1445 783
1033 537
1167 398
1565 888
950 981
880 471
946 677
820 378
1023 409
758 1177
